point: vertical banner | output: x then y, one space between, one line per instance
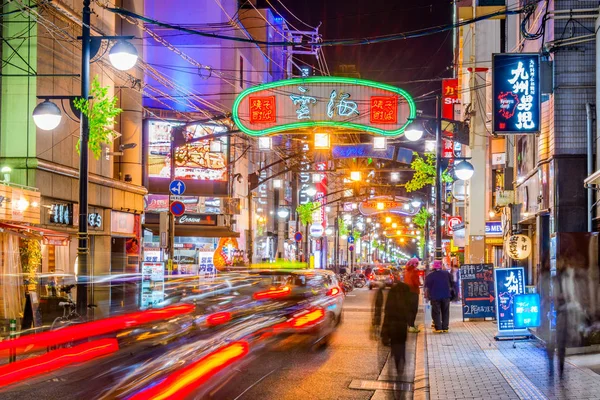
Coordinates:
510 282
516 93
449 97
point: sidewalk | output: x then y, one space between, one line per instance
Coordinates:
468 363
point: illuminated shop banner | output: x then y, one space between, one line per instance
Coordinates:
203 171
516 93
323 101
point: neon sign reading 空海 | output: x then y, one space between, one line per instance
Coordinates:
323 102
516 93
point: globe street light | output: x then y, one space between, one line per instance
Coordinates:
464 170
46 115
413 132
283 212
416 203
123 55
311 191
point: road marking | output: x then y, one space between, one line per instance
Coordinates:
254 384
350 295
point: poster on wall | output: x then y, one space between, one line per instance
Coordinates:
153 284
510 282
204 170
516 93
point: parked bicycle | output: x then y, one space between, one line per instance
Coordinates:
358 280
70 315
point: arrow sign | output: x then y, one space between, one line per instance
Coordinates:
350 239
177 187
490 298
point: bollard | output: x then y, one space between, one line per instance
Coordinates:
13 334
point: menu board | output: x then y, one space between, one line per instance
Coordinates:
153 284
195 163
510 282
478 295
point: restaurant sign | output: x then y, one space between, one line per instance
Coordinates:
516 93
387 204
323 101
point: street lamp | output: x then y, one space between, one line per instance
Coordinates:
46 118
311 191
46 115
283 212
464 170
414 132
355 176
416 203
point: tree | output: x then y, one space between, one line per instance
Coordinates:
101 111
305 212
424 173
420 219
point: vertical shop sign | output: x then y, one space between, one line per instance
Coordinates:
510 282
516 93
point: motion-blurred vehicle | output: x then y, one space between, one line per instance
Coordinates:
380 277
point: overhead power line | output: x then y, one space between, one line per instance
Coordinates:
341 42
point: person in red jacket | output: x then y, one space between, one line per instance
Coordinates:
411 278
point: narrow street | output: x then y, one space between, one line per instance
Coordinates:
352 359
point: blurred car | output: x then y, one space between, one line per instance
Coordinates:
380 277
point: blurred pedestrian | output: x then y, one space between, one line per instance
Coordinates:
411 278
455 281
377 313
395 323
437 290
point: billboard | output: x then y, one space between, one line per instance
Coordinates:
516 93
203 171
323 101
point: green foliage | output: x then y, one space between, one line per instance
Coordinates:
424 173
343 228
356 235
420 219
305 212
101 112
30 251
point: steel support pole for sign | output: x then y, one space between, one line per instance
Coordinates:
438 179
171 259
249 240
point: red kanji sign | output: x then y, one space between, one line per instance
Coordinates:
449 97
262 109
448 151
384 109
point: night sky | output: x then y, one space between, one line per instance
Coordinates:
393 62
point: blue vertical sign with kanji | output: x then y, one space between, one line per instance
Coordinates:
510 282
516 93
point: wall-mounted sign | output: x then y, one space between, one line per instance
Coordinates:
95 220
450 97
493 228
518 247
316 230
387 204
201 171
509 282
452 223
61 214
498 158
516 93
197 219
122 223
323 101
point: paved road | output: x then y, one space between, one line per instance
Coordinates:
294 373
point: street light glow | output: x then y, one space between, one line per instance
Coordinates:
355 176
464 170
46 115
413 133
388 220
311 191
123 55
283 213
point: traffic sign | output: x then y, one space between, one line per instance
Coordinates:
177 208
351 239
298 236
177 187
351 247
316 230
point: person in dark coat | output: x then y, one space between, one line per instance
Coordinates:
395 323
437 290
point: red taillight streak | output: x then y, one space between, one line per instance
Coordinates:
95 328
54 360
307 319
218 318
272 294
181 383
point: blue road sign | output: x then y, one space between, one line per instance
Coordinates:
177 187
177 208
350 239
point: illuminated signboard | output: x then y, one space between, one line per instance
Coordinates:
204 172
516 93
323 101
380 205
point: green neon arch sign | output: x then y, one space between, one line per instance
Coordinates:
324 101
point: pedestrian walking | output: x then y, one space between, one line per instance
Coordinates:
455 281
395 323
438 286
377 313
411 278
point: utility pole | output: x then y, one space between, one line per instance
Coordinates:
439 185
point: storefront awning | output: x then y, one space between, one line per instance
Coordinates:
593 179
49 236
196 231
